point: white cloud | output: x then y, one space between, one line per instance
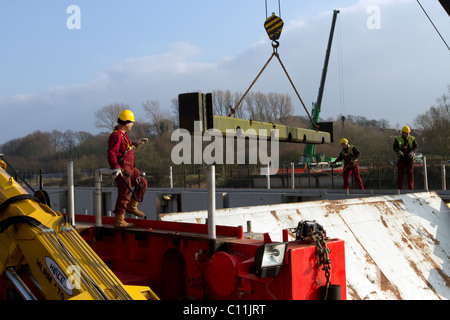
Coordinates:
395 73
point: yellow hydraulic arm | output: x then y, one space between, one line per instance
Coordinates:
34 237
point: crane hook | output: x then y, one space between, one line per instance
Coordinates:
274 26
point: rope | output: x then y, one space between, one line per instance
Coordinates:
339 174
433 24
279 8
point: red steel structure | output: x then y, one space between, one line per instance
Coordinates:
173 259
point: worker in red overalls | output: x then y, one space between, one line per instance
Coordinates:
121 160
350 155
405 146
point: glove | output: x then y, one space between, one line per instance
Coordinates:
116 173
400 154
334 164
141 141
411 155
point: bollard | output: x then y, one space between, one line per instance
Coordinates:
211 209
292 175
332 292
425 175
98 194
443 177
70 192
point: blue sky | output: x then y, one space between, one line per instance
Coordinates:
129 52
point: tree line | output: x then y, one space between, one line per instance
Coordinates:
50 151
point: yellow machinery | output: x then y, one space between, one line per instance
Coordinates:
41 244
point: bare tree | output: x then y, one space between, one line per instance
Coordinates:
224 100
256 106
83 136
435 124
56 138
270 107
69 140
107 116
221 102
160 120
240 112
279 106
175 112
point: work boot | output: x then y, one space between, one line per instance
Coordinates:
132 208
121 223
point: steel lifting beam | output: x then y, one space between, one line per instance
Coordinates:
196 106
284 133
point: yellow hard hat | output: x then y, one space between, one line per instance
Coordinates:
343 140
126 115
406 129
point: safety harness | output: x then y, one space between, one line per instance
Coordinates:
127 141
348 152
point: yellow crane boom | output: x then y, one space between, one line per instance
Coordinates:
34 237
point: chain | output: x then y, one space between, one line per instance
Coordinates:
322 256
316 127
233 110
275 45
